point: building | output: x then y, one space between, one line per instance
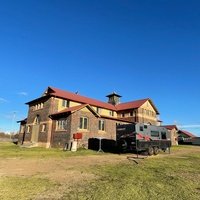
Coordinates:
173 133
57 115
185 137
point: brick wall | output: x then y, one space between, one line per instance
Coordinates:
92 132
49 106
60 138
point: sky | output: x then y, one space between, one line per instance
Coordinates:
139 49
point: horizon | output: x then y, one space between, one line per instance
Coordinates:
140 49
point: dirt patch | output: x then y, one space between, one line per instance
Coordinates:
65 173
56 169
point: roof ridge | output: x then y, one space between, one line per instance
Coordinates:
134 101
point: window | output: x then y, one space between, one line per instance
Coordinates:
37 119
98 110
123 115
111 113
163 135
22 129
65 103
155 133
101 125
61 124
131 114
28 129
141 128
38 106
145 126
83 123
43 127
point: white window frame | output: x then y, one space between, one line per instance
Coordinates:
28 129
44 126
82 122
61 124
101 125
65 103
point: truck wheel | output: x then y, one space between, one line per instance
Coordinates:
123 145
150 151
156 150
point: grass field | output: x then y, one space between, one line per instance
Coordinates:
39 173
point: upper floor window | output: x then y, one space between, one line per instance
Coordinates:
131 114
43 127
61 124
101 125
38 106
123 114
98 110
111 113
65 103
83 123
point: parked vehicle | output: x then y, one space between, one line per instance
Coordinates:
142 137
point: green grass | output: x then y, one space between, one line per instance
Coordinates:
165 177
23 187
154 178
10 150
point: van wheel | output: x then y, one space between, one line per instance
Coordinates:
150 151
156 150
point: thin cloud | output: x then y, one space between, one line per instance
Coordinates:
190 126
2 100
23 93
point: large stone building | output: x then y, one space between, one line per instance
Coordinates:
57 115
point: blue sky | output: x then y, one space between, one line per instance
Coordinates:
139 49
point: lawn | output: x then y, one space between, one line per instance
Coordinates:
54 174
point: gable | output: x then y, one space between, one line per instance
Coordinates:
148 106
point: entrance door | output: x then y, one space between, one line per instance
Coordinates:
35 132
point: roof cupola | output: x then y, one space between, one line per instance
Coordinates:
114 98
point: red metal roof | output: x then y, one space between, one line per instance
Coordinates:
52 91
170 127
134 104
78 98
186 133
